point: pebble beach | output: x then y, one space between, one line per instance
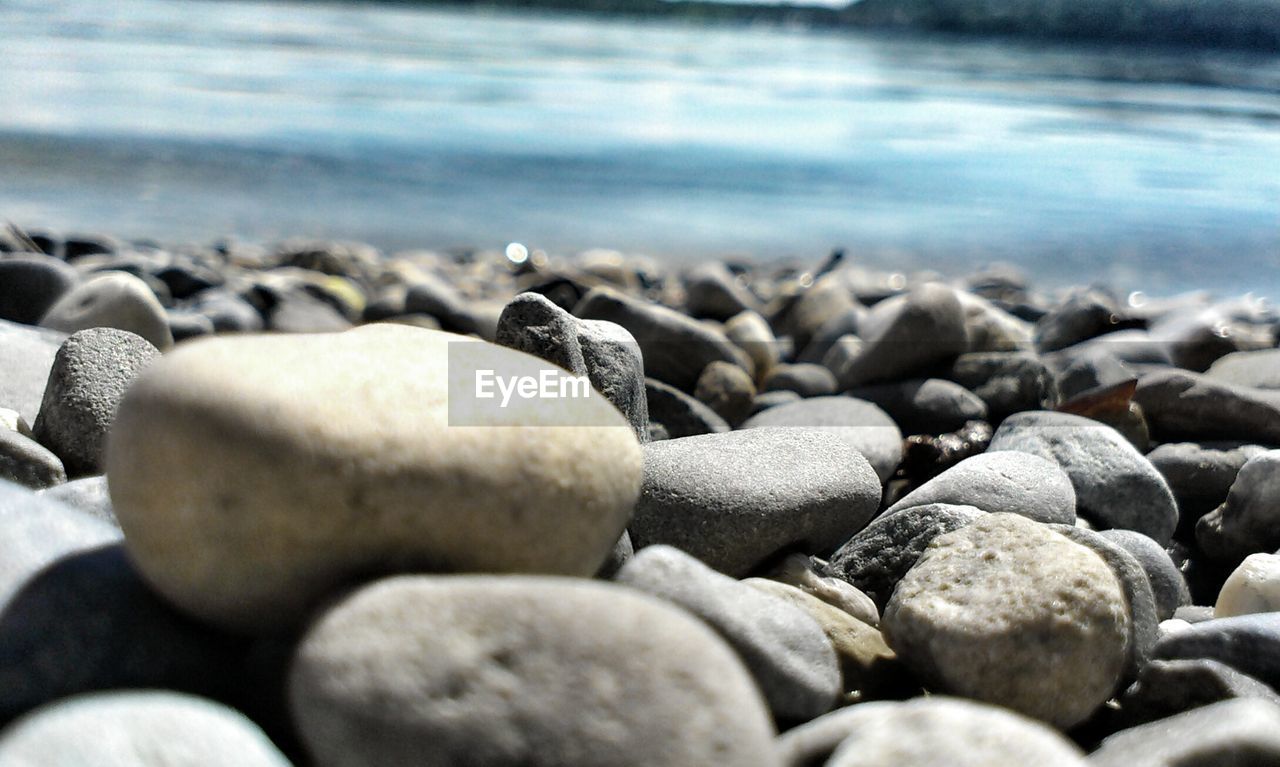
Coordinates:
312 503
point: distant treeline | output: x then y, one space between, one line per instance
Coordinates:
1249 24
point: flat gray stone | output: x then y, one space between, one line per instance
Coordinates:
679 413
1233 732
519 670
1168 586
1248 643
861 424
909 335
877 558
1169 687
1008 382
28 355
785 649
733 500
1249 521
1257 369
27 462
727 390
1115 485
925 406
1200 474
1187 407
1004 481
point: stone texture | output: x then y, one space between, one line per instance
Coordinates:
1182 406
1258 369
1233 732
1008 612
28 355
253 475
28 463
680 414
925 406
1168 585
1006 481
113 300
1247 522
1253 587
786 651
926 732
89 377
676 348
1115 485
733 500
30 284
485 670
877 558
859 423
137 729
728 390
603 352
1247 643
1008 382
907 335
1168 687
1200 474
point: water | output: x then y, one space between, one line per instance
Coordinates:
182 120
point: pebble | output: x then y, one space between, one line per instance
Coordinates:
1008 612
1187 407
1247 521
841 355
937 731
28 355
680 414
114 300
734 500
1248 643
765 400
1168 585
1115 485
26 462
1257 369
840 326
1244 732
1097 370
925 406
30 284
87 494
676 348
785 650
800 571
992 329
89 377
1200 474
431 295
751 333
907 335
1168 687
228 312
828 298
486 670
137 729
868 428
712 291
603 352
1008 382
728 390
246 471
805 379
1084 314
1007 482
1253 587
877 558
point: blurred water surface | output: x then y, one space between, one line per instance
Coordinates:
172 119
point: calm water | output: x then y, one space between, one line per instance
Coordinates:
176 119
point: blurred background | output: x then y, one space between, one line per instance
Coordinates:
1098 141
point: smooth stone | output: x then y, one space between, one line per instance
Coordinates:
934 731
1233 732
30 284
1248 643
13 421
1093 371
733 500
867 666
185 280
827 299
429 294
113 300
79 245
1187 407
87 494
488 670
829 334
1195 338
300 462
26 462
298 311
992 329
1200 474
28 355
799 570
1084 314
925 406
728 390
679 413
807 380
877 558
90 374
228 312
676 348
1168 585
751 333
765 400
907 335
712 291
1193 614
603 352
1257 369
786 651
1009 612
1144 622
1168 687
1247 522
840 357
1006 481
1008 382
185 325
137 729
35 532
861 424
1115 485
1253 587
87 622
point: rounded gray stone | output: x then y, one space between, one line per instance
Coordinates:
1006 481
784 648
861 424
1168 585
1008 382
1247 643
1115 485
1233 732
1168 687
925 406
30 284
1249 521
712 291
1186 407
1258 369
728 390
733 500
907 335
26 462
1200 474
805 379
114 300
1083 314
137 729
679 413
506 670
